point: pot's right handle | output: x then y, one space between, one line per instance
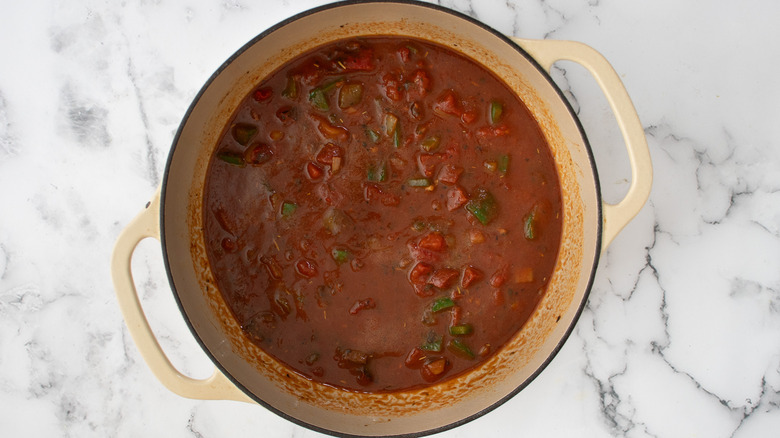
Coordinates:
145 225
616 216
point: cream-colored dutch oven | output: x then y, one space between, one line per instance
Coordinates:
244 372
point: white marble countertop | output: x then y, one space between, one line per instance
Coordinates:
681 334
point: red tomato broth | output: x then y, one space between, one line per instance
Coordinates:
362 186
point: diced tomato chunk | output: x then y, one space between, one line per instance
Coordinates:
362 61
392 86
449 174
427 163
501 130
415 359
448 103
443 278
373 192
493 131
419 273
434 369
470 276
422 82
468 117
498 297
310 73
405 54
258 153
437 366
456 198
313 171
306 268
498 278
423 290
433 241
328 152
423 254
262 94
456 294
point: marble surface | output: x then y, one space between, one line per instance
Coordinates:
680 336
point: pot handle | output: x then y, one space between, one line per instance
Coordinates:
616 216
145 225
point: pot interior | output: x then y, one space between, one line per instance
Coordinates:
411 412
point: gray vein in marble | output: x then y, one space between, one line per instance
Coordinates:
3 261
609 398
558 73
649 267
149 286
86 120
25 298
549 11
48 375
49 214
511 6
191 426
616 406
659 349
235 5
462 6
66 212
743 411
727 183
71 411
737 187
43 379
707 176
657 278
765 227
129 350
6 137
769 399
151 160
742 287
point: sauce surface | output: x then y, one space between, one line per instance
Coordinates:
382 214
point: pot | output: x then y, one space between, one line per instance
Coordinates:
243 371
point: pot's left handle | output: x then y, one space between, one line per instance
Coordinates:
145 225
